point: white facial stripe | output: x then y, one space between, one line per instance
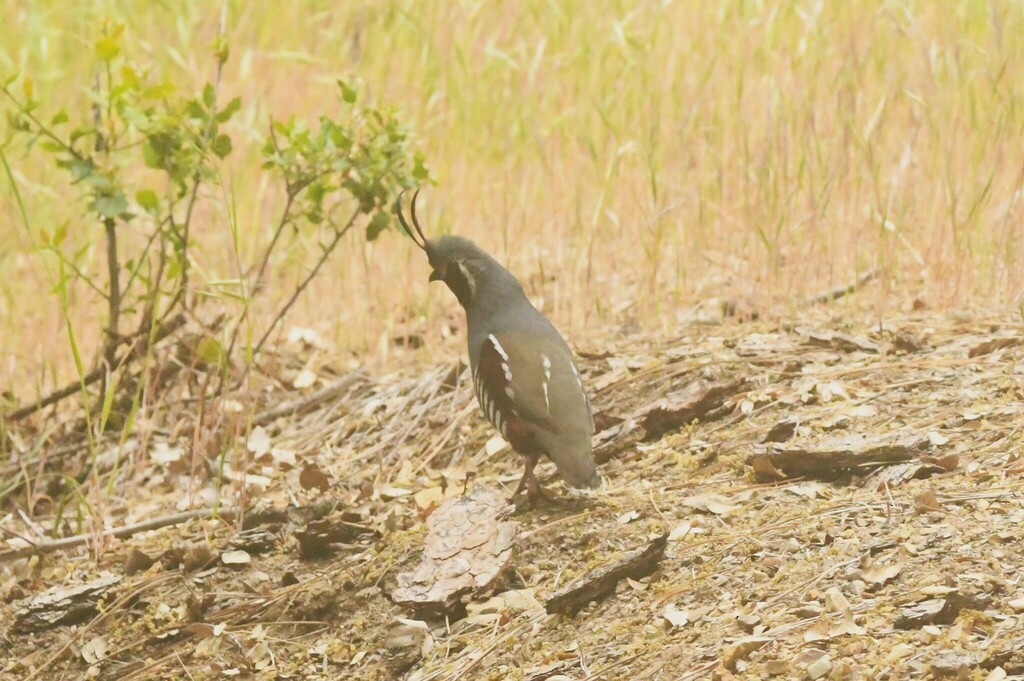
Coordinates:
469 278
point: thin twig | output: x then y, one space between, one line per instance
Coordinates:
282 223
207 135
844 290
142 256
113 335
292 407
40 126
119 532
162 332
113 296
338 234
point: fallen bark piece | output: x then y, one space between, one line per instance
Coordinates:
601 581
254 540
699 401
952 664
62 605
137 561
695 402
322 538
783 431
740 649
1009 657
840 341
900 473
936 611
468 545
990 346
904 341
835 456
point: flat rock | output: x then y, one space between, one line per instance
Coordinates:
62 605
468 545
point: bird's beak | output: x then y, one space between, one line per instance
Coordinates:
436 276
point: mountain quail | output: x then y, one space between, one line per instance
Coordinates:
523 371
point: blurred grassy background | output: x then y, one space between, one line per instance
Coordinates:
624 158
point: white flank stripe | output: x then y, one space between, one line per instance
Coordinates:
576 373
497 346
546 361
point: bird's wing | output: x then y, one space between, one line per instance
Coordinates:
518 377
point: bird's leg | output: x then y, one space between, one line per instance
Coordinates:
519 487
529 481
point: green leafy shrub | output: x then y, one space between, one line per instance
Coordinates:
138 153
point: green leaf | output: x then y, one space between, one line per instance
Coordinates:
211 351
419 168
221 49
348 93
108 47
378 223
110 206
150 155
60 234
208 95
221 145
228 111
80 132
130 77
100 183
60 117
148 199
81 168
195 109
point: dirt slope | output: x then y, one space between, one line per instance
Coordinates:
840 502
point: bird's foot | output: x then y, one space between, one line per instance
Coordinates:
534 491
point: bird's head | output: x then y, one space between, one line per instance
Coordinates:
458 262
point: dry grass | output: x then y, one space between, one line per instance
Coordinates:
623 158
775 554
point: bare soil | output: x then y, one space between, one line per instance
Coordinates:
849 504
